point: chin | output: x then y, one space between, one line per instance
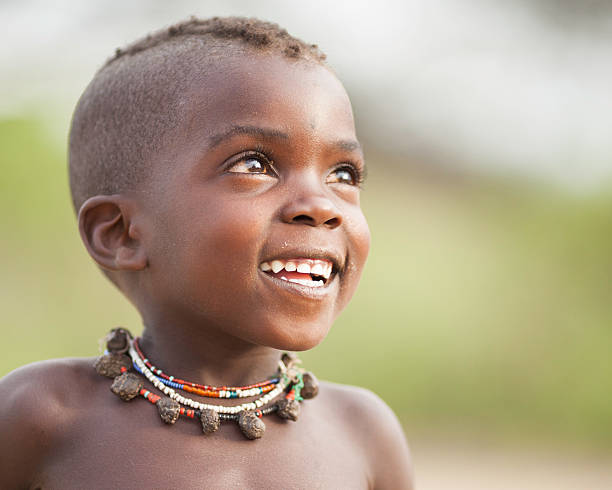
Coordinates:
299 339
300 345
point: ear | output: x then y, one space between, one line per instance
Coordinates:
110 235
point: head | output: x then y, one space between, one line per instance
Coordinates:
205 157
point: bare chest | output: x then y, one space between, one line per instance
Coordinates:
125 445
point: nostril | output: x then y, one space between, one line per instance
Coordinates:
333 222
302 218
312 210
309 220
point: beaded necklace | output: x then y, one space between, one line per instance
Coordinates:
123 353
205 390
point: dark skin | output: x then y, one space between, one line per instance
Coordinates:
267 166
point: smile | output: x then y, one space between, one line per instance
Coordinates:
314 273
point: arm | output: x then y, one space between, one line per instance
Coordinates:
387 452
26 419
391 460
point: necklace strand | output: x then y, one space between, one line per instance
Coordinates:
206 390
171 393
123 353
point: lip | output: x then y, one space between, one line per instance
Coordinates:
293 288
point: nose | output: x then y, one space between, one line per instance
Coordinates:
312 210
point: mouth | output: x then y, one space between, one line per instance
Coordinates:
312 273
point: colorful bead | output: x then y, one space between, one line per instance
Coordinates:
192 414
206 390
248 415
265 399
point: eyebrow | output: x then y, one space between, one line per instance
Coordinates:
267 133
271 133
348 145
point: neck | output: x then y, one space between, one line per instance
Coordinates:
208 357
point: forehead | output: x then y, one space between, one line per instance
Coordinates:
270 92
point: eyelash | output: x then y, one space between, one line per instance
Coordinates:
358 172
258 153
266 156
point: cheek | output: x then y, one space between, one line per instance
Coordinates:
211 250
359 239
358 249
227 239
363 238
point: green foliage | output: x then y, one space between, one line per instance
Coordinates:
484 305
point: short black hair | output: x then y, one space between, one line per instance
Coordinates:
133 101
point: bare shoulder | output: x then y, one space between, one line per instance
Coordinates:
35 404
378 430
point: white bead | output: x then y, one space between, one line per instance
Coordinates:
278 389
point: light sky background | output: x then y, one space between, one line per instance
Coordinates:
516 86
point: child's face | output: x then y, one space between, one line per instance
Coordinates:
265 168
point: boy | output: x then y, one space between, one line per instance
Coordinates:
216 172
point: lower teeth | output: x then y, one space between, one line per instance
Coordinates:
304 282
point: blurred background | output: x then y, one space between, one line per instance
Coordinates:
484 317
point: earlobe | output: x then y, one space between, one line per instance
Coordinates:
110 236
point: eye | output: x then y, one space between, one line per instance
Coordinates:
346 174
251 164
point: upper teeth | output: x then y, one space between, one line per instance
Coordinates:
305 266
